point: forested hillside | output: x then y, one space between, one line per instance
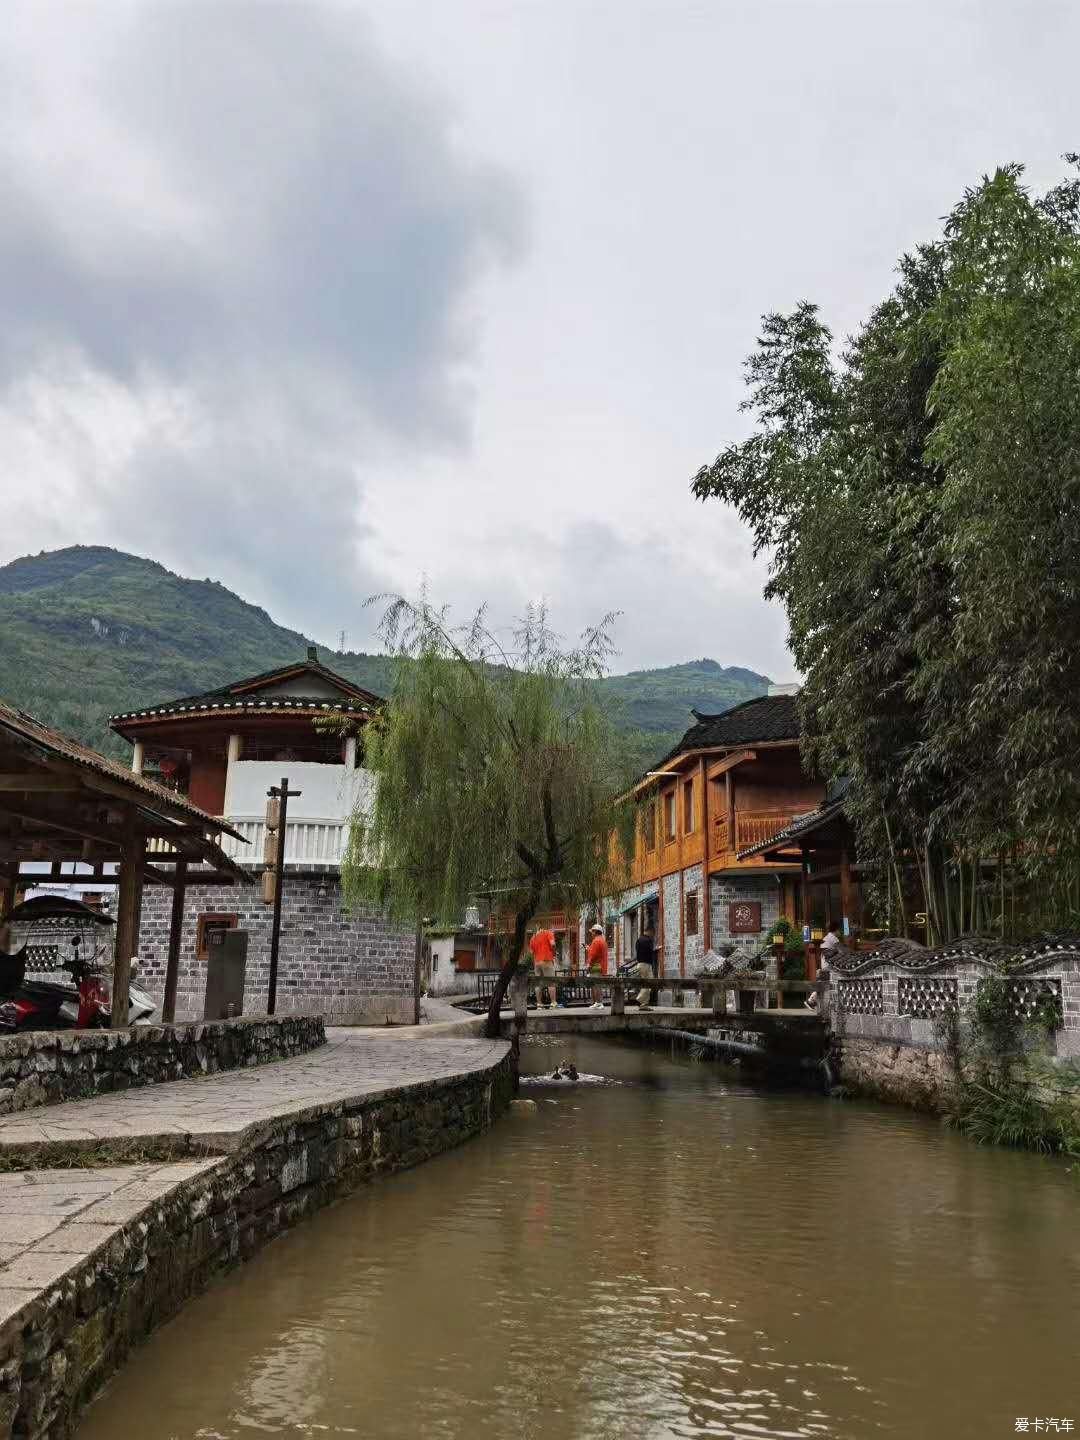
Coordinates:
89 631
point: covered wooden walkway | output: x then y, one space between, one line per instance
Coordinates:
63 804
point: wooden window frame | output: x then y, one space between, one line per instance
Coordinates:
671 816
689 810
212 920
648 826
693 913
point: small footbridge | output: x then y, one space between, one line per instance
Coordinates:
755 1024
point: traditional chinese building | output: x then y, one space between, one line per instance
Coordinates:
733 781
224 750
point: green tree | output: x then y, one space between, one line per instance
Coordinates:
917 494
497 776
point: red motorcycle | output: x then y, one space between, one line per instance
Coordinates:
37 1004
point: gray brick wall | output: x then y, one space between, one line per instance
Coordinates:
671 924
695 951
347 967
723 889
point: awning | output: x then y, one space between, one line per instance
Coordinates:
646 899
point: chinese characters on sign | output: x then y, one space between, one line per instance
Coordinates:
1050 1425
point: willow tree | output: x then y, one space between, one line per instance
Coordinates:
497 777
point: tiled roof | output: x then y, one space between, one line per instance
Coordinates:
23 727
800 827
768 717
244 695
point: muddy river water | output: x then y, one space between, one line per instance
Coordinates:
677 1254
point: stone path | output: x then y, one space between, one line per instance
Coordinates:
50 1220
216 1112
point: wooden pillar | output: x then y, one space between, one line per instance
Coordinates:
729 798
706 917
176 925
618 997
138 757
682 926
846 895
350 752
9 877
811 955
662 964
128 905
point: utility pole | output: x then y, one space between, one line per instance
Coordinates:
417 956
281 794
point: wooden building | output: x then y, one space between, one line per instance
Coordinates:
67 812
733 781
224 749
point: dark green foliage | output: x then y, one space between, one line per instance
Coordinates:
920 498
86 632
659 702
1006 1090
158 636
1013 1112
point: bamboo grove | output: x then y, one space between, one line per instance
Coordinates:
917 491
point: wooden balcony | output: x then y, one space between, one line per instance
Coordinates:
751 828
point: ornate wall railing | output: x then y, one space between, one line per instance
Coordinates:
901 991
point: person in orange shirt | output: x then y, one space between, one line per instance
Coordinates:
542 946
596 960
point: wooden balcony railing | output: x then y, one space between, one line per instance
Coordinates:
751 828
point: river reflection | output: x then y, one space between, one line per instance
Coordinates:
676 1255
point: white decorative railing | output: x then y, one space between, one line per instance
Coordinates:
307 841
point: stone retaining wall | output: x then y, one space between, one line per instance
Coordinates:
58 1350
44 1067
885 1007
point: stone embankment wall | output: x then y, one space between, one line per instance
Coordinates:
47 1067
352 967
58 1350
885 1009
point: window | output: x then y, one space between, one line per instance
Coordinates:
649 825
669 815
434 963
208 926
691 913
689 819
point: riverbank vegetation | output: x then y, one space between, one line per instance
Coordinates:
497 780
919 495
1005 1088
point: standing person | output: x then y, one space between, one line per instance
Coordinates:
596 960
645 966
542 946
829 947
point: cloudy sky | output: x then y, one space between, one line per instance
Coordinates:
327 299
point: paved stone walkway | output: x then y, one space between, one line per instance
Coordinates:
52 1219
216 1112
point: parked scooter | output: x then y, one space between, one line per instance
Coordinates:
83 1003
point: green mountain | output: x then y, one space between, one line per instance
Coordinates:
88 631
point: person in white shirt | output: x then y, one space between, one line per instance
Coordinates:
829 946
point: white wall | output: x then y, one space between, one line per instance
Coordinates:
329 792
